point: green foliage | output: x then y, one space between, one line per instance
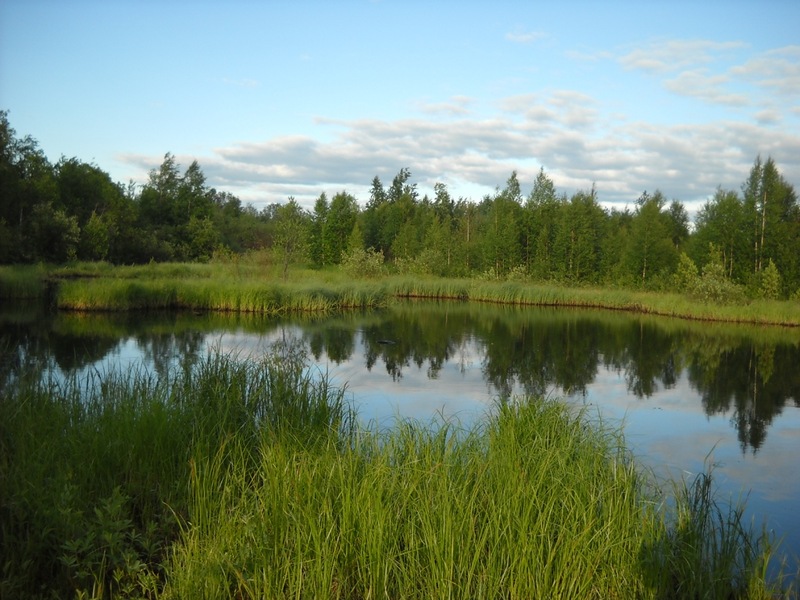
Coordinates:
687 277
105 555
339 222
95 511
290 241
53 234
577 243
363 263
650 249
94 239
770 282
714 284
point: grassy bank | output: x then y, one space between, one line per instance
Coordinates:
237 479
254 288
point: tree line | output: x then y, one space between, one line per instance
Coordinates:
742 243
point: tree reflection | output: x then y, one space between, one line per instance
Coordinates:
746 374
750 381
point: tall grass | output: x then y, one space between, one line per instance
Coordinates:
239 479
520 293
537 503
250 296
18 282
95 475
249 285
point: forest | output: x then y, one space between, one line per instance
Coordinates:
742 243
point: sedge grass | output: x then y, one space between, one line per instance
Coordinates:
216 295
760 312
247 285
17 282
250 479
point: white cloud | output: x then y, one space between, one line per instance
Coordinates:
525 37
565 131
701 84
456 106
777 71
664 56
768 117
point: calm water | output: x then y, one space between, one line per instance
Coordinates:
687 394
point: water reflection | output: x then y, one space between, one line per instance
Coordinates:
745 373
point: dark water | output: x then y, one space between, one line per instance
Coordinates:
687 394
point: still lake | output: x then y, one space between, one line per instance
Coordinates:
686 394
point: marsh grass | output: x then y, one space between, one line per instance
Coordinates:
249 284
18 282
95 474
235 478
518 293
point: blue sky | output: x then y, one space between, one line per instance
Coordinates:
295 98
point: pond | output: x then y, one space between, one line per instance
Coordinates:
686 394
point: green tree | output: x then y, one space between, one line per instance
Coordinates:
193 198
770 282
27 191
291 228
650 249
372 216
502 231
339 223
316 241
541 218
440 233
54 234
157 200
722 222
94 238
616 241
578 239
678 224
771 206
202 238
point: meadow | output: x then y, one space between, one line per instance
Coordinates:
243 479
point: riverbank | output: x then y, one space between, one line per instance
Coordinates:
251 288
248 479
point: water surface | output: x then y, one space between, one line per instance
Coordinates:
686 394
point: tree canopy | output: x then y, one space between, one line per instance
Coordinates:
73 210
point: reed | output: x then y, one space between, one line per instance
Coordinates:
235 478
761 312
216 295
248 285
538 502
95 474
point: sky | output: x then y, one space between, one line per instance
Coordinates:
278 99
